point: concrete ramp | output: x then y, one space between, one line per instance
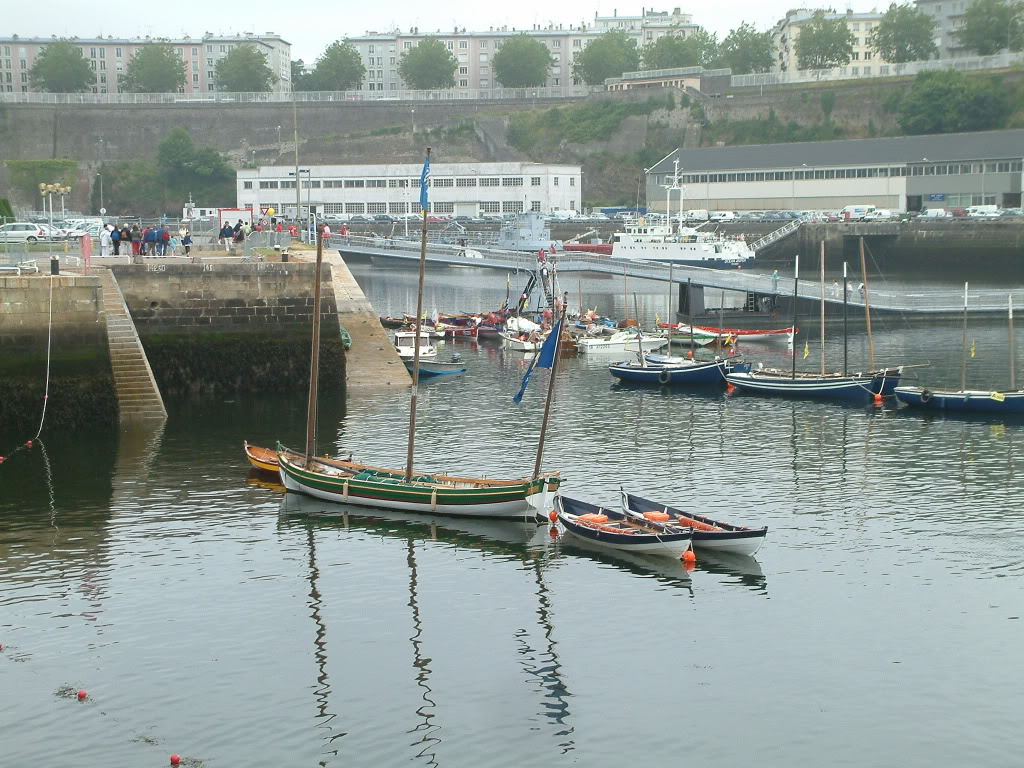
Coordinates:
138 397
372 362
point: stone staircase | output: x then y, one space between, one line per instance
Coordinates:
138 397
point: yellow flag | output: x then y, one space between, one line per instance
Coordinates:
807 350
973 350
657 319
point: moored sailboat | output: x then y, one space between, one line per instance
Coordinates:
373 486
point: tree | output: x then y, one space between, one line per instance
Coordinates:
746 50
339 68
154 69
608 55
824 43
674 50
522 62
61 68
904 34
947 101
244 70
300 76
992 25
428 66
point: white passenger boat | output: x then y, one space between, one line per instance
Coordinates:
620 342
404 344
680 245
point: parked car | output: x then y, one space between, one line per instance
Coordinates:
383 218
958 213
879 214
22 232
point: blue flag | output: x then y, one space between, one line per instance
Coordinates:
544 359
424 183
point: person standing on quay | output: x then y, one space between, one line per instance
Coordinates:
136 240
186 242
105 241
115 239
775 281
126 240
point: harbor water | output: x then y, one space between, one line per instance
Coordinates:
208 614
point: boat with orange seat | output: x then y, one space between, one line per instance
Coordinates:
616 530
707 533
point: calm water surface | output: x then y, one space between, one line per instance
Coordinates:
208 615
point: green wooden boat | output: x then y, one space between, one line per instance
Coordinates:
369 486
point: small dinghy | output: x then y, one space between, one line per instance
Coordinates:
707 533
627 532
262 459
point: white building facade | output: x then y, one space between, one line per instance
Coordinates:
456 189
865 60
109 59
381 53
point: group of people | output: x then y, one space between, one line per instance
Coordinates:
236 235
116 240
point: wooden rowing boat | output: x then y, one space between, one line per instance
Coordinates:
741 334
617 530
707 533
261 459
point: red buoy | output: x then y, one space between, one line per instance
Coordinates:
689 557
82 695
877 399
28 444
175 759
553 516
553 532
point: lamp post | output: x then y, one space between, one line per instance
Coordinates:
102 207
63 191
279 140
297 174
413 113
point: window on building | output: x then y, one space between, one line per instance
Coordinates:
287 185
463 70
464 83
92 53
572 181
209 49
406 45
463 44
1003 168
535 181
465 182
535 206
512 206
556 180
483 57
378 183
483 43
577 43
463 58
398 183
103 77
490 206
268 185
376 207
355 208
246 185
442 182
223 49
397 208
490 182
334 207
209 74
512 181
195 52
856 56
354 183
103 65
24 63
443 208
393 60
867 55
484 83
449 44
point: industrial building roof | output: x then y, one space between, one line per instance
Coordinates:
936 148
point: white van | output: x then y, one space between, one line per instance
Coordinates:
934 213
698 214
879 214
855 212
983 211
722 216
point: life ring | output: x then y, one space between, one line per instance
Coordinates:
926 395
665 376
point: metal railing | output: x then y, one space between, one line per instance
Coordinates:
367 97
775 235
942 301
856 72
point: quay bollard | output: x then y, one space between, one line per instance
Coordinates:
54 265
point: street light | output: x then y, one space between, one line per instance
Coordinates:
413 113
279 140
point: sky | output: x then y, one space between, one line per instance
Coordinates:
311 26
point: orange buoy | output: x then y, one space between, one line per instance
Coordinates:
730 387
553 532
688 567
690 354
82 695
553 516
877 399
689 557
175 759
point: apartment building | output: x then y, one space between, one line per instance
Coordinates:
948 16
865 61
474 50
109 59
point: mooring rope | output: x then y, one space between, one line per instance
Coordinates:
46 386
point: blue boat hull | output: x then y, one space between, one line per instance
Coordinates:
856 387
431 370
699 374
964 402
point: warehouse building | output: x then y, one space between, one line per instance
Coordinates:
459 189
907 173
